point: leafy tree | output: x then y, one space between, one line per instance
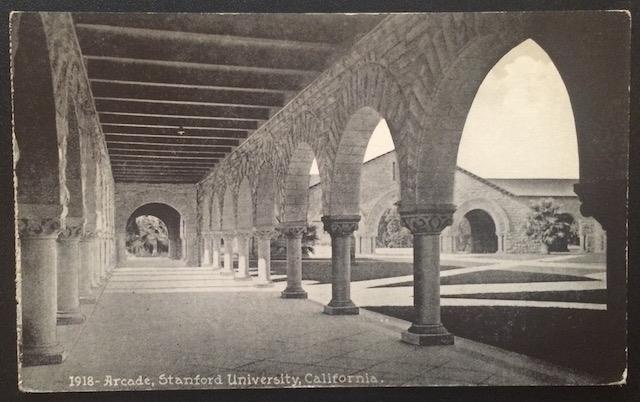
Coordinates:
546 225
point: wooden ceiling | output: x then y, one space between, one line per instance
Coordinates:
176 93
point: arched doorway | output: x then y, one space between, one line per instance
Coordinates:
477 233
155 230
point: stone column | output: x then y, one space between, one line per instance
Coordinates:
204 249
105 255
264 236
38 290
121 247
94 260
112 249
500 243
86 268
341 228
426 225
97 258
293 231
68 273
227 268
109 253
215 250
243 255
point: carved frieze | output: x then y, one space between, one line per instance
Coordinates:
265 233
71 231
340 225
293 230
38 227
429 221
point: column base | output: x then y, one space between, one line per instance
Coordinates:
427 335
43 355
242 278
293 294
88 300
341 310
70 318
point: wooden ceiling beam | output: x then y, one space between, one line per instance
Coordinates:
173 122
173 139
102 90
166 146
206 39
130 69
170 152
180 109
254 91
144 156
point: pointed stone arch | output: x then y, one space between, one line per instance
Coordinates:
295 186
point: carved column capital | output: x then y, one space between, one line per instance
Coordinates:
244 234
228 235
38 227
340 225
89 235
606 201
293 230
428 221
265 232
71 232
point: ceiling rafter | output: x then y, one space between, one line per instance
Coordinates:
176 93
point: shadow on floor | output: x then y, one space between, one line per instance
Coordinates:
572 338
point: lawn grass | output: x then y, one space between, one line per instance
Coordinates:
496 256
578 339
572 296
590 258
497 276
320 270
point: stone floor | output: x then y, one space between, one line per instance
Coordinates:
163 321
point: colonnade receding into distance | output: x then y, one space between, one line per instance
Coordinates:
418 72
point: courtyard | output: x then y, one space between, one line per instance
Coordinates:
154 319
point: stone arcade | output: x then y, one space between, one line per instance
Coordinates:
214 130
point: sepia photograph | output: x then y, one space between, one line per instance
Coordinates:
320 200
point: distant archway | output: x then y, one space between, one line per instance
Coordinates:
477 233
159 236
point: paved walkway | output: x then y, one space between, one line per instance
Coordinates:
190 328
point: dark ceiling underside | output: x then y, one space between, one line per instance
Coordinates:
176 93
